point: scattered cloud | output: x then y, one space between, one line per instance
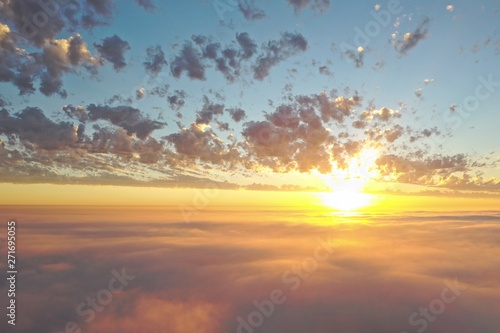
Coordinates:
113 50
278 50
155 60
316 5
412 39
250 11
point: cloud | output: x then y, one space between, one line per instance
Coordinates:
316 5
103 7
76 112
248 46
356 56
411 39
225 274
250 11
35 130
160 90
189 61
393 134
419 93
324 70
18 15
209 112
296 136
177 100
59 57
56 58
28 32
237 114
155 61
195 59
425 133
146 4
199 142
450 172
126 117
113 50
276 51
140 93
428 81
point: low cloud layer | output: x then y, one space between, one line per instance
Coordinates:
205 275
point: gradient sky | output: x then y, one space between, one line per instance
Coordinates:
213 148
255 95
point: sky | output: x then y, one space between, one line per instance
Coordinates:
250 166
395 98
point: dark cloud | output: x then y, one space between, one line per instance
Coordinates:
317 5
57 57
250 11
103 7
356 56
155 60
209 111
331 107
146 4
177 100
425 133
24 43
324 70
76 112
189 60
205 53
301 136
248 46
113 50
237 114
278 50
160 90
411 39
199 142
19 16
126 117
295 136
32 127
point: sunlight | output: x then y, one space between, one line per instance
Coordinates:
345 200
347 185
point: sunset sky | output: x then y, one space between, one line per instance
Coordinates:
396 99
250 166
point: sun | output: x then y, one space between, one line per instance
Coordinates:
345 200
347 185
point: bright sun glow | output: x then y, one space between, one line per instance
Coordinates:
347 185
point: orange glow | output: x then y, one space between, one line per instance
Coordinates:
347 185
